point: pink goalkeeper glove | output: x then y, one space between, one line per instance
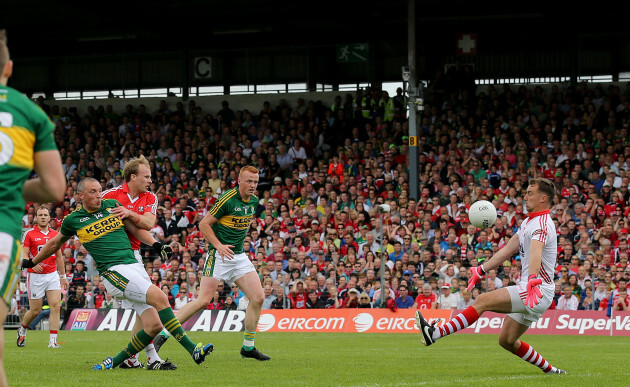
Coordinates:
533 293
477 274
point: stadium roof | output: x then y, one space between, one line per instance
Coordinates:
42 28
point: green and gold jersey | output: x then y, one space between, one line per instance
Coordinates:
24 130
102 233
234 216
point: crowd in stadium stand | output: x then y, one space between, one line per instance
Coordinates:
316 239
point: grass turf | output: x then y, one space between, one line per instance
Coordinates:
310 359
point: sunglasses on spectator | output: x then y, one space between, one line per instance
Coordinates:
563 271
364 298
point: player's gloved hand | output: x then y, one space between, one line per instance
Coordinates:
533 293
27 264
164 251
477 273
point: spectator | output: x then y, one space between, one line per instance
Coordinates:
365 301
280 302
352 300
313 301
229 303
447 300
427 299
216 303
587 302
182 298
465 300
568 301
110 302
404 301
622 302
269 297
298 295
75 301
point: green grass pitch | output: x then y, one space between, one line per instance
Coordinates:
314 359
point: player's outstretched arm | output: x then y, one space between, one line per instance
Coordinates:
51 183
48 249
502 255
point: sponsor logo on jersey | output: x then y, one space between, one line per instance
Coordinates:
104 226
236 222
141 209
84 219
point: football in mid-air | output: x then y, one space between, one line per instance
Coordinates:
482 214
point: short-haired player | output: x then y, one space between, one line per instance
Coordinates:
45 279
524 303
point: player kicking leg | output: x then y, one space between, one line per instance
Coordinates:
524 303
132 283
154 362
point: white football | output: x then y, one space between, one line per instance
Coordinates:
482 214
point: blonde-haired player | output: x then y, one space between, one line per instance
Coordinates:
524 303
140 206
224 228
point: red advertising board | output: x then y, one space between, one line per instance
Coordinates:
346 320
553 322
561 322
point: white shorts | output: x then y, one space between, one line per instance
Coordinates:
38 284
230 270
10 253
126 304
523 314
128 282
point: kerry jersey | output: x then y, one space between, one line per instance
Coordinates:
145 202
102 233
233 218
24 130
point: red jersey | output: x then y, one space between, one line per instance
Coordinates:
34 240
299 299
145 202
425 302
